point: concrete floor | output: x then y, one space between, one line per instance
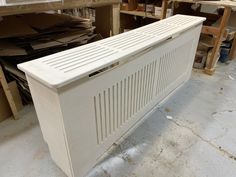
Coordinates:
192 135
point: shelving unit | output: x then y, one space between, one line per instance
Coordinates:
148 14
217 32
143 17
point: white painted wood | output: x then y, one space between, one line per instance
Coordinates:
80 120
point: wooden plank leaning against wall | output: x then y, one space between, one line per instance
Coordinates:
8 94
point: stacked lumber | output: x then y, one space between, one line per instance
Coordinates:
30 36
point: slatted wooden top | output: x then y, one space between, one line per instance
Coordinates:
66 4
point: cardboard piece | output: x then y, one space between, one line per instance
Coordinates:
158 12
12 26
61 39
9 49
43 44
44 21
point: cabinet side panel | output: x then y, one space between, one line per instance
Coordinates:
50 119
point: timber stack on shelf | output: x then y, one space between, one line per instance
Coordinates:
30 29
218 28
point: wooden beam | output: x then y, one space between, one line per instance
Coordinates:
8 94
103 21
115 20
164 9
210 30
140 14
214 58
107 20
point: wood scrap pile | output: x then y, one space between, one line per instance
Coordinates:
30 36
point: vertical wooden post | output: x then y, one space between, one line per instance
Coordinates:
102 21
107 20
232 54
115 19
8 94
164 9
210 67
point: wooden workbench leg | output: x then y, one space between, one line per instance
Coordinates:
8 94
115 19
232 54
210 67
164 9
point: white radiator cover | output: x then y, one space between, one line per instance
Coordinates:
88 97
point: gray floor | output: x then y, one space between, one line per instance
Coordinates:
192 135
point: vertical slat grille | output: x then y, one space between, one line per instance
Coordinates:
172 66
116 105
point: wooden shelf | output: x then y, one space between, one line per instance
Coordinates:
140 13
40 7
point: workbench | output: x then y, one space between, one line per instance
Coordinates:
111 19
217 32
